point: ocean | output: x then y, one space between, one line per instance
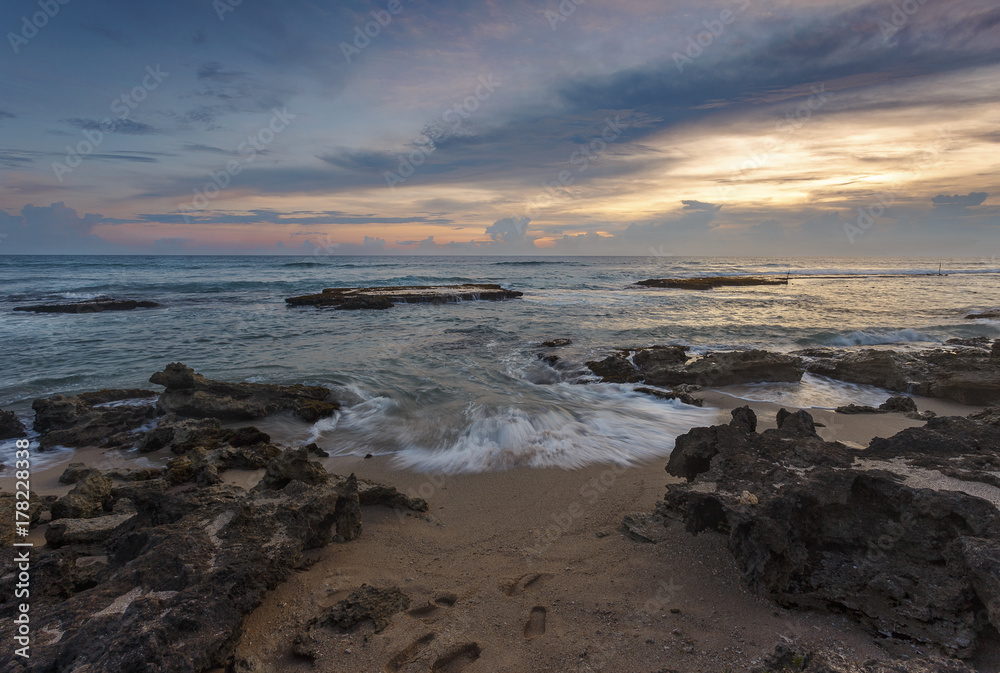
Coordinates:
459 387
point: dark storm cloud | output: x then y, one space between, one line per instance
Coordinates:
958 201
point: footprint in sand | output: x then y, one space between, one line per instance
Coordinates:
409 654
456 659
426 612
536 622
522 584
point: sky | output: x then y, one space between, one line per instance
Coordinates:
514 127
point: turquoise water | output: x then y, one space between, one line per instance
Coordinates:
459 387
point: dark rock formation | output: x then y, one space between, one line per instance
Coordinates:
730 368
615 369
710 282
95 306
793 658
70 421
348 298
967 376
812 527
364 604
115 395
557 343
293 465
192 395
162 581
674 395
90 497
11 426
985 315
898 404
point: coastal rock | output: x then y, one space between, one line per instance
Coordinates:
653 357
730 368
557 343
11 426
350 298
841 529
967 376
292 465
615 369
192 395
711 282
367 603
70 421
673 395
87 533
94 306
794 658
182 575
87 499
348 512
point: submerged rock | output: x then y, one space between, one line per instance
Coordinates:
557 343
192 395
65 420
967 376
834 528
93 306
11 426
351 298
711 282
669 366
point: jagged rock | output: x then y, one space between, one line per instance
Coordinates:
385 297
744 419
663 395
190 394
8 504
557 343
798 423
314 450
115 395
795 658
730 368
995 351
857 409
693 451
91 306
11 426
292 465
348 512
374 493
367 603
969 376
87 499
70 421
831 533
181 435
711 282
182 574
615 369
84 532
550 360
648 359
899 404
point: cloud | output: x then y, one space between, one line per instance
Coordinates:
53 229
958 201
700 205
122 125
6 115
509 229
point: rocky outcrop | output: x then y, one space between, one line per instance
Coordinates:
897 404
11 426
964 375
192 395
818 525
66 420
162 581
670 366
794 658
711 282
557 343
89 498
95 306
351 298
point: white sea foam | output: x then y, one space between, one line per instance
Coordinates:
873 338
812 392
